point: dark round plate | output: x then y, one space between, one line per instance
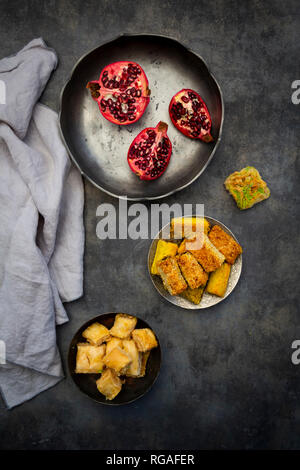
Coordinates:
133 388
99 148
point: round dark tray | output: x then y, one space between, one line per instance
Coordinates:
133 388
99 148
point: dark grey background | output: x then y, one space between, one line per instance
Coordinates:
227 380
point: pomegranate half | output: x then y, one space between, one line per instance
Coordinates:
190 115
150 152
121 92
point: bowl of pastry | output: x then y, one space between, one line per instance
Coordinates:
195 262
114 358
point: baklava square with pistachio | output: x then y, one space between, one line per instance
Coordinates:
247 187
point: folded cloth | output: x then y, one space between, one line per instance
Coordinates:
41 230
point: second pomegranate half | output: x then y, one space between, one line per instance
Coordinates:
190 115
150 152
121 92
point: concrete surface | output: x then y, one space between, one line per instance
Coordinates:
227 380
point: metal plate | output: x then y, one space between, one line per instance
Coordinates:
208 300
99 148
133 388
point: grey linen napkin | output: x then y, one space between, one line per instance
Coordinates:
41 229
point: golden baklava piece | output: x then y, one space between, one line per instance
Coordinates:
218 280
118 360
172 278
193 273
89 358
123 326
109 384
144 339
96 334
112 344
144 360
225 244
247 187
134 368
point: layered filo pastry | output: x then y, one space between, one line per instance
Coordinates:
89 358
109 384
96 334
134 368
122 351
144 339
112 343
123 326
118 360
145 357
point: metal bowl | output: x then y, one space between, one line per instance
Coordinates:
132 388
208 300
99 148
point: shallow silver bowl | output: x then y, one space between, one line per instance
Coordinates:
208 300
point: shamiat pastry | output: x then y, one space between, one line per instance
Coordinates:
163 250
218 280
185 227
172 278
193 273
225 244
193 295
205 253
247 187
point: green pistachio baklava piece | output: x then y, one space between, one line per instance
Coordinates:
247 187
